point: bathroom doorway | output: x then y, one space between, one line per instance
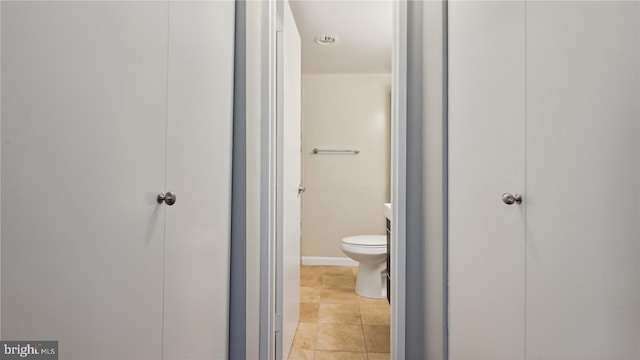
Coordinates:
333 157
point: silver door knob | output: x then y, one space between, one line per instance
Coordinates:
510 199
169 198
301 189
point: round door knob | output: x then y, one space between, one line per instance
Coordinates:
169 198
510 199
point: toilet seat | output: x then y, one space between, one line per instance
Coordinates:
366 241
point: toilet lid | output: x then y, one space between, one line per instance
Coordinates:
366 240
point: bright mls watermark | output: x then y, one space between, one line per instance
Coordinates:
29 350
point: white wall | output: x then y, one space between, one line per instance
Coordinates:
345 193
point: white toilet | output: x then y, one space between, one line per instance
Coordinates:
371 253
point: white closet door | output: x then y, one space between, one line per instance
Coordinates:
583 180
486 159
201 56
83 142
580 288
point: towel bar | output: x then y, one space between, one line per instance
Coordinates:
336 151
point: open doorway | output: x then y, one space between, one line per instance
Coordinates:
334 174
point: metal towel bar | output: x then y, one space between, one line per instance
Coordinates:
336 151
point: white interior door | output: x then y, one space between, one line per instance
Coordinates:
486 159
200 113
583 141
579 278
83 156
289 111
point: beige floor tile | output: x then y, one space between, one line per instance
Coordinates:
308 269
370 301
338 270
379 356
331 315
305 337
300 354
339 281
377 338
340 337
375 314
309 312
311 276
339 355
339 314
310 294
338 296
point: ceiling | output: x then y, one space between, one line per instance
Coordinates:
363 29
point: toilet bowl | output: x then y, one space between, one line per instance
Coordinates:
370 251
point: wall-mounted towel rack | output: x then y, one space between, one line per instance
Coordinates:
336 151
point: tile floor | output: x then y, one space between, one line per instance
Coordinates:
335 323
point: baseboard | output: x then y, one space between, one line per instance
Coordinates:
328 261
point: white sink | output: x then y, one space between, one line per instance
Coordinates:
387 210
